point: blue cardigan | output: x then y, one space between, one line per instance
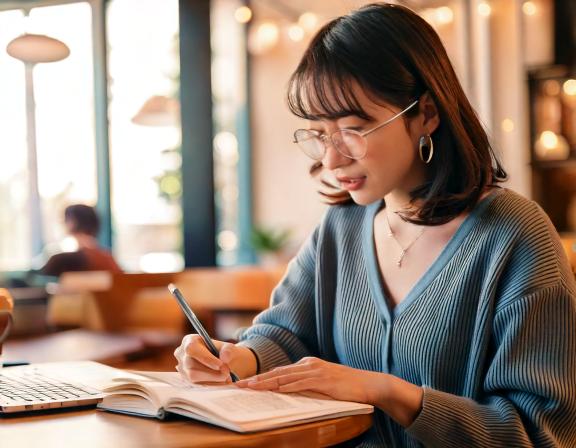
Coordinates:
489 331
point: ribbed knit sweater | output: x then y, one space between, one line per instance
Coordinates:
489 331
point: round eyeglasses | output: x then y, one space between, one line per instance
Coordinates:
348 142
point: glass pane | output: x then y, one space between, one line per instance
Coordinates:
230 120
64 130
14 228
145 134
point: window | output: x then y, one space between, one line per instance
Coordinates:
64 131
145 134
231 139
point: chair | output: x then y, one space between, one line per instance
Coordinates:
114 302
216 295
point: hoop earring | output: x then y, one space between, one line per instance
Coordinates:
426 143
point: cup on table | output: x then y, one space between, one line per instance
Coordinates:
6 308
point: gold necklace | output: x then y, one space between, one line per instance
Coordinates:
403 249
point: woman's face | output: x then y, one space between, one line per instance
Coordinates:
391 163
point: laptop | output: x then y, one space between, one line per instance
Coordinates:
47 386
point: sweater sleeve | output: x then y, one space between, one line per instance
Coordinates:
286 332
529 394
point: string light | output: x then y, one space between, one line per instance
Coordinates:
529 8
243 14
444 15
551 146
263 37
227 240
569 87
296 33
308 21
549 139
507 125
484 9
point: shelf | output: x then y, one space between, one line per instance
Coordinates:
548 164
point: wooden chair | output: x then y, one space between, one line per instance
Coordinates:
114 302
109 302
214 293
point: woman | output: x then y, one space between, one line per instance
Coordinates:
437 296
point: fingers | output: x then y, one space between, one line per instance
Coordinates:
196 363
306 374
194 347
227 352
305 384
303 365
275 382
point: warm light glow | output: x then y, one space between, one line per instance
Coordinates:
549 139
308 21
296 33
551 146
529 8
507 125
265 37
227 240
243 14
569 87
443 15
484 9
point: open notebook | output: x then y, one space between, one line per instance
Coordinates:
153 394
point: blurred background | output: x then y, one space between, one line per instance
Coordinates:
169 117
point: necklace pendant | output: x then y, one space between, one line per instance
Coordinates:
399 262
390 234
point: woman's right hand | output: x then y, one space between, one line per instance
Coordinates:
197 365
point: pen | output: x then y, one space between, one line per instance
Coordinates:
197 325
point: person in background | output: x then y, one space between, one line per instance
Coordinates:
82 224
428 291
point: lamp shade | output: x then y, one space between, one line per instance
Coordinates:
158 111
36 48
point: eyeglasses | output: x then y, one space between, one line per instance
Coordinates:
348 142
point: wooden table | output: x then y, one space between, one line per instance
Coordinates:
97 429
114 349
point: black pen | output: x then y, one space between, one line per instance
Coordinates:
197 325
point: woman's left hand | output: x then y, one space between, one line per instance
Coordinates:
312 374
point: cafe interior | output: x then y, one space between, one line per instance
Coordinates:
169 117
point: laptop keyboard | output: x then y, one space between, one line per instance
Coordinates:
34 387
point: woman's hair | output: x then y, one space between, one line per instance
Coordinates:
396 57
82 219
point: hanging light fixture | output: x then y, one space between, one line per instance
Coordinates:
37 48
34 49
158 111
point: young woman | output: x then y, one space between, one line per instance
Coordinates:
437 296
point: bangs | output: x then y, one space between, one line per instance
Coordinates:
321 89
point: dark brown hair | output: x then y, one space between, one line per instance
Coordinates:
396 56
82 219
